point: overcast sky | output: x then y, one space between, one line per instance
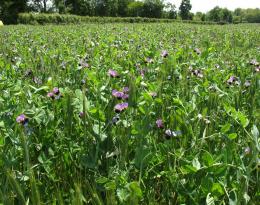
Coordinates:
206 5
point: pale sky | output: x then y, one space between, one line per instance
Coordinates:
206 5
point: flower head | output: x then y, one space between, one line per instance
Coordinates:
232 80
81 114
113 73
51 95
148 60
121 107
119 95
22 119
164 53
56 91
126 89
159 123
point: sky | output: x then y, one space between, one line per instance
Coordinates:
206 5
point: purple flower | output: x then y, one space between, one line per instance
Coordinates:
51 95
119 95
83 64
22 119
121 107
113 73
159 123
164 54
257 69
125 97
148 60
126 89
81 114
56 91
232 80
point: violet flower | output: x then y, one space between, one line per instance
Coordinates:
164 54
113 73
148 60
119 95
232 80
81 114
51 95
56 91
159 123
22 119
121 107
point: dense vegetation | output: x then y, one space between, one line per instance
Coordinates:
42 19
9 10
129 114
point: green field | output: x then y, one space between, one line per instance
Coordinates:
130 114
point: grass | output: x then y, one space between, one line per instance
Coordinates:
189 135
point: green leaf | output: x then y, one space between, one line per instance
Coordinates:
110 185
225 128
135 189
102 180
232 136
217 189
243 119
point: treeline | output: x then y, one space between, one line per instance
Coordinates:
9 10
239 15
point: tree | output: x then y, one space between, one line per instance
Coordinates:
122 7
135 8
171 12
226 15
185 8
9 10
218 14
215 14
153 8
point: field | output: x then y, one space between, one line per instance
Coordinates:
130 114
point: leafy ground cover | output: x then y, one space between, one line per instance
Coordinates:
129 114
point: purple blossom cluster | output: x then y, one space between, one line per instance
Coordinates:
54 94
113 73
120 94
22 119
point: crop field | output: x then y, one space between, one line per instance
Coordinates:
130 114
